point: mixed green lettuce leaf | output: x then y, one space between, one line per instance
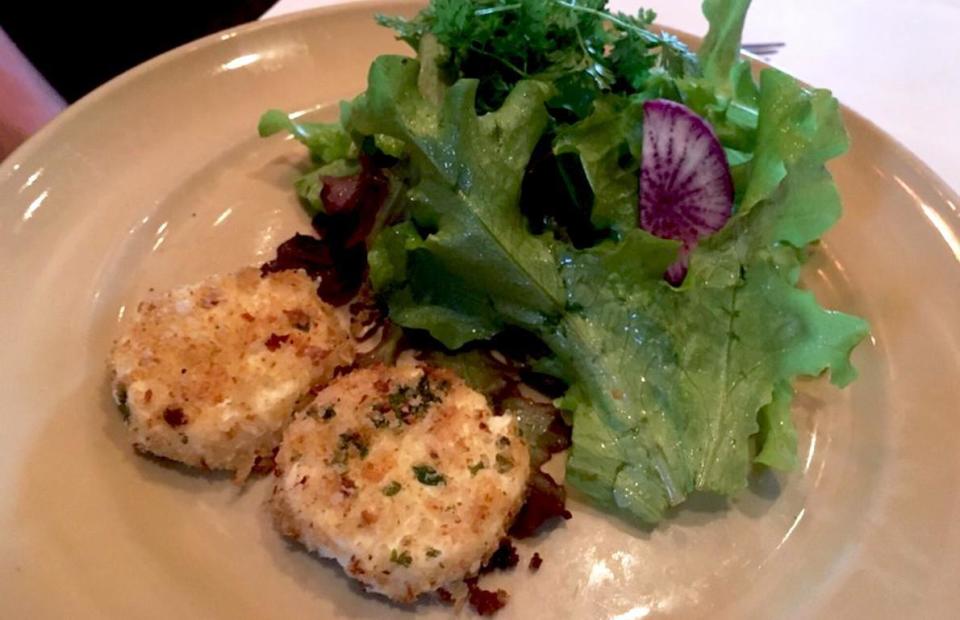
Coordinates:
672 389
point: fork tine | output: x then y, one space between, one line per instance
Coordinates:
763 49
768 44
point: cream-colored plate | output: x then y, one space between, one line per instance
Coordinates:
159 179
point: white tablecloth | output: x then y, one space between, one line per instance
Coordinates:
895 62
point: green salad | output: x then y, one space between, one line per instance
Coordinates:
551 168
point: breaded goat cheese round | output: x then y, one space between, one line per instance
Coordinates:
403 475
210 374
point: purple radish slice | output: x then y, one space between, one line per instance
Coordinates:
686 191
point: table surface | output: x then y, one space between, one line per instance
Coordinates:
895 65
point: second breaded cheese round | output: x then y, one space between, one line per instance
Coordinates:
403 475
210 374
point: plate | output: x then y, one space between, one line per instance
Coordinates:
158 179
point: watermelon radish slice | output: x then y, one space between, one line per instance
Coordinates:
686 191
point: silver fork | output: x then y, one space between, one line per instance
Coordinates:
763 50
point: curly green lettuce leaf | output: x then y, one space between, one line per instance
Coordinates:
720 51
468 172
724 92
667 383
777 439
423 294
608 143
797 129
789 197
327 142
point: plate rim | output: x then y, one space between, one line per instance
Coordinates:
45 138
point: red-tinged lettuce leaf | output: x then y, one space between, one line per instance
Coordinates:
504 558
338 255
339 271
541 424
546 502
352 205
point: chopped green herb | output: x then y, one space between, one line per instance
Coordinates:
476 467
391 489
412 403
399 398
504 463
428 475
347 440
379 419
425 391
360 445
432 553
402 558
